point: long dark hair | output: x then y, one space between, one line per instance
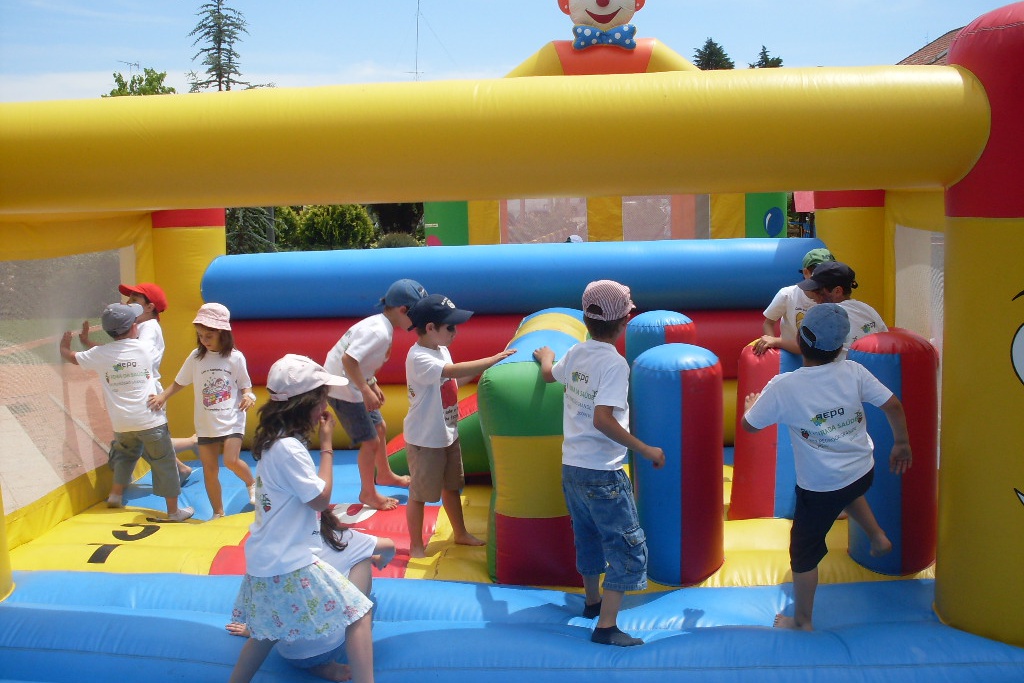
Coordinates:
227 342
279 419
332 530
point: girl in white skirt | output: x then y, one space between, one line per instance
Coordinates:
288 593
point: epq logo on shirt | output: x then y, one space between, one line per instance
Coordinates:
125 365
825 415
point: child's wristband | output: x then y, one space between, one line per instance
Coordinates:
249 395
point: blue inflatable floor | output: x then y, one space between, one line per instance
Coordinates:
64 627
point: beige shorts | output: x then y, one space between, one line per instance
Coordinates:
432 470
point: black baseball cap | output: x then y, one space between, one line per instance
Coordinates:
437 309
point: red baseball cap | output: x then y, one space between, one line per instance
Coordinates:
149 290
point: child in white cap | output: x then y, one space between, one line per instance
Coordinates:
289 593
223 392
125 367
821 404
595 429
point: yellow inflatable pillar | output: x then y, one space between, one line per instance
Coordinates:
184 244
980 553
6 577
852 225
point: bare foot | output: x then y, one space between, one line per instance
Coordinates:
880 546
392 479
468 539
332 671
378 502
417 551
782 621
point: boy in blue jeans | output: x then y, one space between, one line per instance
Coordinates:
595 426
821 404
125 368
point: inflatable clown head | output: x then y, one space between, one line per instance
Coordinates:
601 14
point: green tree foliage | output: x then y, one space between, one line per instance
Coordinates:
765 61
326 227
149 82
712 57
397 239
250 230
219 28
402 218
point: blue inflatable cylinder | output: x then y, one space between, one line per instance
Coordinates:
677 405
654 328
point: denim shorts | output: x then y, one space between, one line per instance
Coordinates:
605 527
154 445
359 423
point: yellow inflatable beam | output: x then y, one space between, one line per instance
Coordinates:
749 130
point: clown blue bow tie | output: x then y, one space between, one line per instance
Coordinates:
588 36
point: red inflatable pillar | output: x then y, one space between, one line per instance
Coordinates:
755 461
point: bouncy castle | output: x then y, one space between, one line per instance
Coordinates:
890 151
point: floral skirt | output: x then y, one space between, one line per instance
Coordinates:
310 603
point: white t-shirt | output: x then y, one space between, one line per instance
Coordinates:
594 374
152 335
126 375
286 533
433 417
369 342
864 320
788 307
822 407
218 383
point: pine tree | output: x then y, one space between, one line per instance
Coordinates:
712 56
764 61
219 28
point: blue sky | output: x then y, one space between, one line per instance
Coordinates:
69 49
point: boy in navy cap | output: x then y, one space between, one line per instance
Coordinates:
833 282
431 426
821 405
125 367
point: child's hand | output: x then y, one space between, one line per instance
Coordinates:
750 400
248 401
65 340
900 458
543 353
84 334
765 344
503 355
370 398
655 455
156 401
326 429
238 629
